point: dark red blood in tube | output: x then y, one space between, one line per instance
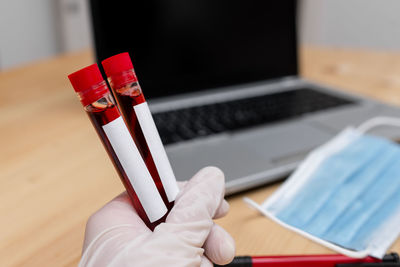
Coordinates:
128 93
101 109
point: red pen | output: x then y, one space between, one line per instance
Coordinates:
333 260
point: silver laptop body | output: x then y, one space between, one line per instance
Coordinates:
266 153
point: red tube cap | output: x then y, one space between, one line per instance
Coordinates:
89 84
85 78
117 64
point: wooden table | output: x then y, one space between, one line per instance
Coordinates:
54 172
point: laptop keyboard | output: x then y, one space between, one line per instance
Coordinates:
199 121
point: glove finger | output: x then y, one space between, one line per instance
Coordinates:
205 262
219 246
222 210
181 185
200 197
191 217
118 211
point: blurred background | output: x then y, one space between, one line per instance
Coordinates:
54 172
32 30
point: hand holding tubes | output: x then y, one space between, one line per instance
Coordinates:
116 236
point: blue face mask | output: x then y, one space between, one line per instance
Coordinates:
345 195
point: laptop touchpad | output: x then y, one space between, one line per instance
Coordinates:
285 143
249 152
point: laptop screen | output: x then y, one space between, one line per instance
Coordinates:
181 46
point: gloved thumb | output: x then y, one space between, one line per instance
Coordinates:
200 198
195 206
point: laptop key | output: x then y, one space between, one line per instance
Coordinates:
200 121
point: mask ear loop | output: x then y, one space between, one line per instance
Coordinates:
378 121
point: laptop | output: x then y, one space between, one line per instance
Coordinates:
221 78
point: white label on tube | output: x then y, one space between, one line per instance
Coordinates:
157 150
135 168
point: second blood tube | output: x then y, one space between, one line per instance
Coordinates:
128 93
117 140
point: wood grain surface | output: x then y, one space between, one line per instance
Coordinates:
54 171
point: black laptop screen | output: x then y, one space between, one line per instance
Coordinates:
181 46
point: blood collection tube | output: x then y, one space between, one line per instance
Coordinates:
128 93
99 105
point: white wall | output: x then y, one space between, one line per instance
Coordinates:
35 29
75 31
351 23
27 31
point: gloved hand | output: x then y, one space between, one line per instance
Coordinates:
116 236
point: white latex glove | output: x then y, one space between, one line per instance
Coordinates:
116 236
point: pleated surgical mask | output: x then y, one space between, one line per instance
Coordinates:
345 195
